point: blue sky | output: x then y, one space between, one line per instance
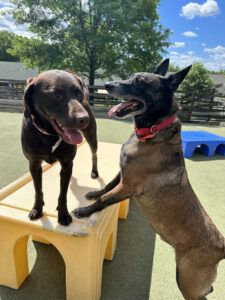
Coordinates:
198 30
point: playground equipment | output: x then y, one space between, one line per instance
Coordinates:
84 244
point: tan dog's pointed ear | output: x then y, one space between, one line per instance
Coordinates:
163 67
27 97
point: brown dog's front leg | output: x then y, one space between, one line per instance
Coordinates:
64 218
90 134
117 194
36 173
97 194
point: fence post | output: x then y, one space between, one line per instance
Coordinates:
192 105
211 102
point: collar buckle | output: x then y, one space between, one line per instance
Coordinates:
151 129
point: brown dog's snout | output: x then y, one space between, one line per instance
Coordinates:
78 115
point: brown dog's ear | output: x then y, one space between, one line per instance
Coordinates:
27 97
29 80
82 83
174 80
163 67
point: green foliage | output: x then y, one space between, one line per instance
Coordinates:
221 72
6 39
96 38
197 79
174 68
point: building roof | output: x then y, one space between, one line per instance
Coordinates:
218 79
15 71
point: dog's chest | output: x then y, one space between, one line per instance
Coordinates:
142 157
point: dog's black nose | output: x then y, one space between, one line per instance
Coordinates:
109 84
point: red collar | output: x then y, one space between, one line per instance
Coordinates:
149 133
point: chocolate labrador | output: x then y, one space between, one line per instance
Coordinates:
56 113
153 171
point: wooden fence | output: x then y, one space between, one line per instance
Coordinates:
199 106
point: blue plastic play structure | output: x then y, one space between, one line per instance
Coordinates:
209 143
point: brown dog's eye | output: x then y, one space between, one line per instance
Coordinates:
77 92
75 89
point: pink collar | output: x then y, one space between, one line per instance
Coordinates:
149 133
42 130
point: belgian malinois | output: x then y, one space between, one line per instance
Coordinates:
153 171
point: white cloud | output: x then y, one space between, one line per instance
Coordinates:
6 3
218 49
216 58
215 66
182 60
193 9
8 23
178 45
203 44
189 34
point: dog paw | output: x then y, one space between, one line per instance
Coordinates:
64 219
81 212
93 195
94 174
35 214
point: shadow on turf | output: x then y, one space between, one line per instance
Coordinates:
128 276
199 157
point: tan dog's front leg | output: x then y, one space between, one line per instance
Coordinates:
94 195
117 194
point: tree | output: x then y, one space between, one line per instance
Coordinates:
174 68
221 72
96 38
6 43
197 79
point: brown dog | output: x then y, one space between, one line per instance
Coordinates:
153 171
56 111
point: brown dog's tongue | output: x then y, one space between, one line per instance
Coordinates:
74 136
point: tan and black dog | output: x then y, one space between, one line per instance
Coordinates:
56 113
153 171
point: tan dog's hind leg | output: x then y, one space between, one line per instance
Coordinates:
195 281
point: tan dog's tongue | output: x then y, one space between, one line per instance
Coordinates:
74 136
120 107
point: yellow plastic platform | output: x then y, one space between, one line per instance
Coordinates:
84 244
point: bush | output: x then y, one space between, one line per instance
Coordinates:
197 79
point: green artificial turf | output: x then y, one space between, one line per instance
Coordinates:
143 264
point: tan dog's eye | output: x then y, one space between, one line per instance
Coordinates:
140 81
